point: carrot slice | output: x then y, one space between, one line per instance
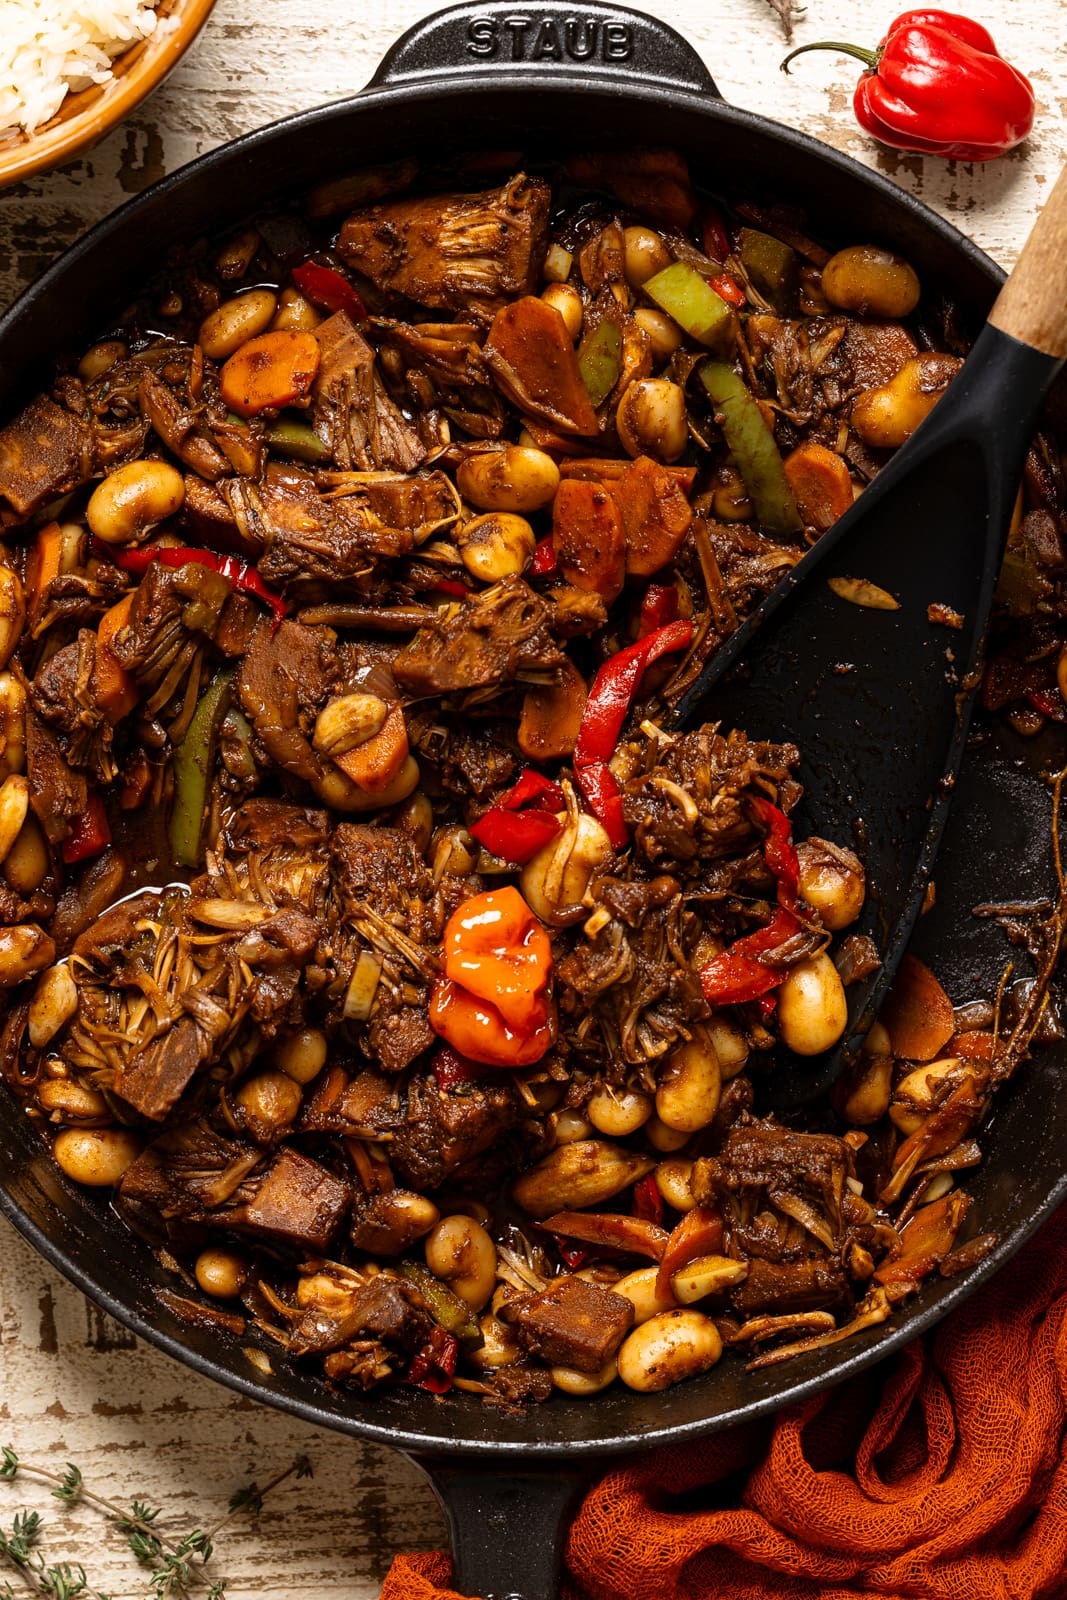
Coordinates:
587 532
610 1231
698 1234
376 763
820 483
655 515
551 716
917 1013
277 369
603 469
533 360
114 689
43 565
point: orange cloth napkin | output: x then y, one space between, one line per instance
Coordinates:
940 1475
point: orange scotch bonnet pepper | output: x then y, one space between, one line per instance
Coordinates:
491 1003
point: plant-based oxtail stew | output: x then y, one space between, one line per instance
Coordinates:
364 931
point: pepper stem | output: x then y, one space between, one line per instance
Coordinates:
870 58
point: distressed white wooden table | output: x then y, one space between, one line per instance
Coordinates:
72 1384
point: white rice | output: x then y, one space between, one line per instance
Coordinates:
48 47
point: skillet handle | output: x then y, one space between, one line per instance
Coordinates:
1032 305
548 38
508 1525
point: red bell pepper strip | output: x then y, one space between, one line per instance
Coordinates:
1050 703
450 1069
648 1202
434 1367
90 833
658 608
329 289
544 559
738 974
606 710
729 289
243 577
779 851
937 84
515 836
604 797
716 239
532 788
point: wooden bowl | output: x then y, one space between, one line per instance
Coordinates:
85 117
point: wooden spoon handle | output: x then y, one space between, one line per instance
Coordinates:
1032 305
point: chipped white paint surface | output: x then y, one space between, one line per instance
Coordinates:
73 1385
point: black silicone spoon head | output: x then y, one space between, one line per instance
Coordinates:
878 698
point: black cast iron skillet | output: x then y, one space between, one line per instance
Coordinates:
549 79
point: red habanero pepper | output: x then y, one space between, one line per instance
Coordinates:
245 579
729 289
434 1366
606 710
937 84
491 1002
544 560
476 1028
89 833
328 289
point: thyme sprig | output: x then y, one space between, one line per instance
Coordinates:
176 1566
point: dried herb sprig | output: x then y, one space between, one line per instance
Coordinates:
787 12
176 1566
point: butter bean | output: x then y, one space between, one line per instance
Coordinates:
133 499
687 1094
888 416
667 1348
812 1010
96 1157
236 321
460 1252
617 1113
872 281
512 479
640 1289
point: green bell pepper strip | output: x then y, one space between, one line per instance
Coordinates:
753 447
600 360
772 267
683 294
446 1308
193 761
297 440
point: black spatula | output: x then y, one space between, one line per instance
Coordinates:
879 701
